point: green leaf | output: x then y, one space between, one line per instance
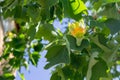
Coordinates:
46 31
34 58
20 43
98 3
105 31
72 74
47 3
22 16
7 76
102 39
57 54
15 62
78 61
113 25
95 40
45 14
55 76
33 9
21 76
38 47
59 11
99 70
77 6
8 13
31 32
73 45
78 76
18 9
67 8
68 72
117 38
73 8
112 1
45 7
18 54
111 44
94 23
7 4
110 11
52 10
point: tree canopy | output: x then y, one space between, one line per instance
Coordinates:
88 49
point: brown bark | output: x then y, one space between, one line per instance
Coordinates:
3 62
1 43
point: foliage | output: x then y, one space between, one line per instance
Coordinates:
79 53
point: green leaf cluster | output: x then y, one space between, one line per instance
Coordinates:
97 55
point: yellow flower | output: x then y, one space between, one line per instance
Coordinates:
77 29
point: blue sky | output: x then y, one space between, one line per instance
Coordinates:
36 73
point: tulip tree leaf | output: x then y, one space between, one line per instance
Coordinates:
110 12
99 70
73 8
113 25
45 8
31 32
34 58
73 44
55 76
45 31
77 6
47 3
57 54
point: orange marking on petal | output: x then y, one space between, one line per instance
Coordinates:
78 32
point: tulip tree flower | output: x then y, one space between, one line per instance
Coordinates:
77 30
